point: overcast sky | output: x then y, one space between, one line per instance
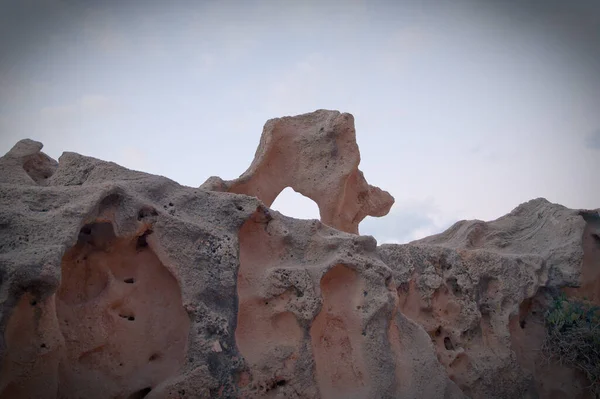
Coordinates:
463 109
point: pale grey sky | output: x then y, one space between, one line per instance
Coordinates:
463 109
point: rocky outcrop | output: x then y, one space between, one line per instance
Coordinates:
480 289
316 155
120 284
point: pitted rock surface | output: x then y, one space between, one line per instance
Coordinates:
316 155
120 284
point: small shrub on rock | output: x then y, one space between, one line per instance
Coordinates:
573 337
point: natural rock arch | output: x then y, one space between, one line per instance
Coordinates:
316 154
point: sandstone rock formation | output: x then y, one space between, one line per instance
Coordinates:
121 284
480 290
316 155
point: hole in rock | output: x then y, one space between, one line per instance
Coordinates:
154 357
454 286
291 203
142 240
87 299
448 344
445 265
142 393
99 235
147 211
128 317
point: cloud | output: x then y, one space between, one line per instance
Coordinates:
407 221
593 140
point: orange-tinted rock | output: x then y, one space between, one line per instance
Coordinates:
121 315
314 307
316 155
114 283
105 332
481 289
120 284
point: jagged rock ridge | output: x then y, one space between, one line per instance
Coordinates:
252 303
121 284
480 289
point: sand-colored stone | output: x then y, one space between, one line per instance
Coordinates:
120 284
313 303
316 155
480 289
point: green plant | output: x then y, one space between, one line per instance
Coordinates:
573 337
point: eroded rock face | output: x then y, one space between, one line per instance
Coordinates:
318 317
105 332
115 283
316 155
120 284
481 289
118 295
